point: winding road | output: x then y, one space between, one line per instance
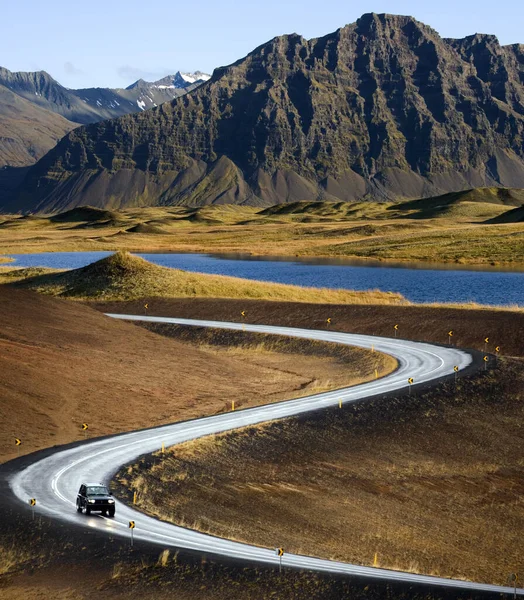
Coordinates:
54 480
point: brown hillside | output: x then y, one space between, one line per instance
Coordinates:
63 363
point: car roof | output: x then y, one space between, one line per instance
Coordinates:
94 483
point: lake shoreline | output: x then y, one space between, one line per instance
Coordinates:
317 259
418 285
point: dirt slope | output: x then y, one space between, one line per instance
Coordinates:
63 363
422 323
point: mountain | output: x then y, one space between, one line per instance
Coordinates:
177 81
27 131
380 109
90 105
36 111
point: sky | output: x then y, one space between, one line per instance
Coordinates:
112 43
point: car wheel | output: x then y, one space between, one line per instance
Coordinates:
111 512
78 507
87 510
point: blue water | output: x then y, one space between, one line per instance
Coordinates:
416 284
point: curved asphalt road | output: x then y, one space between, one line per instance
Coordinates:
54 481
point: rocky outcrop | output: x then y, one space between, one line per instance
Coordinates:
381 109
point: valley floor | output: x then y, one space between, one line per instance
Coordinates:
462 234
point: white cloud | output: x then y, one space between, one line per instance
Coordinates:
131 74
70 69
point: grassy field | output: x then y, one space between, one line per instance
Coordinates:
478 227
123 276
430 483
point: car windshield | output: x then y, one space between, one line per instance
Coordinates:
97 490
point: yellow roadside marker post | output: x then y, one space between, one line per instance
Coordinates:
18 443
486 341
32 504
497 350
410 381
456 369
131 526
340 402
513 579
376 373
328 320
163 448
85 427
280 553
232 405
372 347
375 560
243 314
134 497
450 335
486 360
146 306
395 327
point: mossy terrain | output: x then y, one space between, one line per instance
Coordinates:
481 226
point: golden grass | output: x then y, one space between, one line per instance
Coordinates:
311 366
123 276
13 557
420 231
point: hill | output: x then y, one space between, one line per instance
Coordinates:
63 364
515 215
380 109
473 203
27 131
123 276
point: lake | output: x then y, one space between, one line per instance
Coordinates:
427 284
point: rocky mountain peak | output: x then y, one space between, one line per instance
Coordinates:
383 108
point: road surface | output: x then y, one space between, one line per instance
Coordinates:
54 480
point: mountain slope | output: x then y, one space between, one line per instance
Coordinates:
380 109
27 131
96 104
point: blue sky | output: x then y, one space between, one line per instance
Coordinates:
112 42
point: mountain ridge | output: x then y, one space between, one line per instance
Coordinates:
381 109
89 105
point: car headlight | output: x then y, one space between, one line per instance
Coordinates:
111 501
91 501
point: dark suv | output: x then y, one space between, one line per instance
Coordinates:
95 497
